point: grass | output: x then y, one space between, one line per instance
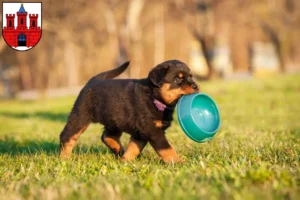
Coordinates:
255 155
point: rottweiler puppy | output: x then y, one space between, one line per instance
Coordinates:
141 107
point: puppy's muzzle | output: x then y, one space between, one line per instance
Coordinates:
195 87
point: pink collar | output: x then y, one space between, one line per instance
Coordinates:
159 105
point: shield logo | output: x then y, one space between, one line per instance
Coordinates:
22 25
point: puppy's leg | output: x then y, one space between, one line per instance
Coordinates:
164 149
112 140
78 121
135 147
70 135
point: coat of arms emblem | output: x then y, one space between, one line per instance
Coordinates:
22 25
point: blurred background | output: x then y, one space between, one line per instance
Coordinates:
225 39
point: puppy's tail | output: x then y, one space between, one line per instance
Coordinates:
111 73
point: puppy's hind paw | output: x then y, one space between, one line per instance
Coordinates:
173 160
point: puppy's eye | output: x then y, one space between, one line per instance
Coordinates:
178 80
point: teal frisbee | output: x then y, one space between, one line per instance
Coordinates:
198 116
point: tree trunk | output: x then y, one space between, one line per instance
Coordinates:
71 63
271 33
159 46
239 48
25 74
135 36
205 45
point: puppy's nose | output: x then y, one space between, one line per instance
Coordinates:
195 87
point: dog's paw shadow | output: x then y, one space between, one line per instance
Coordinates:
51 116
88 149
11 146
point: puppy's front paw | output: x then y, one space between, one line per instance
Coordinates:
174 159
64 155
126 157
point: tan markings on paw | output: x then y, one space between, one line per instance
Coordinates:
67 147
134 148
113 143
169 155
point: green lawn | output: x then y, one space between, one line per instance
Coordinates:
255 155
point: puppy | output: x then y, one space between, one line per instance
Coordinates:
141 107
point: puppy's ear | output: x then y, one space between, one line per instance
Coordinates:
157 74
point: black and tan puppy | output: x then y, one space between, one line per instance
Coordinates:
143 108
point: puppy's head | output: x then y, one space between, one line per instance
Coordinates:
174 79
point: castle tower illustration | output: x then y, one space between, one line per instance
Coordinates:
20 35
